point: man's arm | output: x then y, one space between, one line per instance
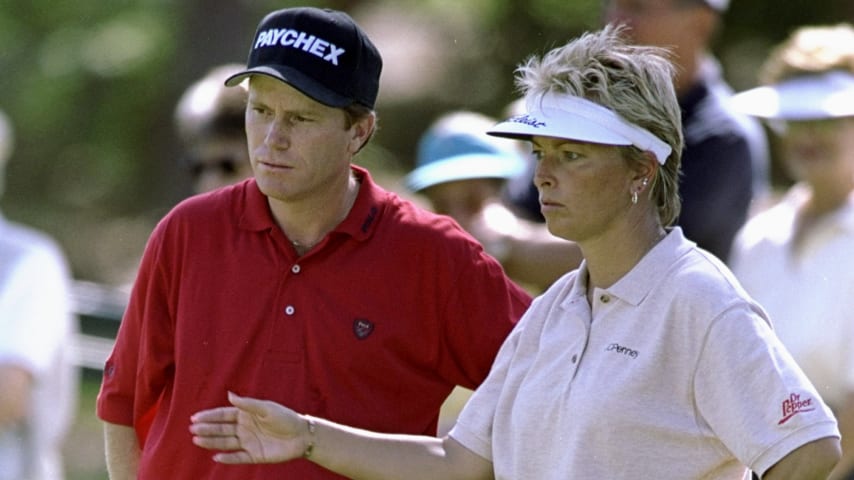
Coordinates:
122 451
812 461
530 255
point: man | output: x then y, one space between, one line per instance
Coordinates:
38 380
725 160
308 284
209 121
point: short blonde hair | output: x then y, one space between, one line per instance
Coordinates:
810 50
634 81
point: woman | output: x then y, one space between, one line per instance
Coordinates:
796 258
647 362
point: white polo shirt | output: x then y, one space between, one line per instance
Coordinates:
809 292
674 374
36 328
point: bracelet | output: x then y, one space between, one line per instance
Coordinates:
312 427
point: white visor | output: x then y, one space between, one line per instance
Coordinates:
808 97
575 118
718 5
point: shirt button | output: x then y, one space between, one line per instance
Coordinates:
605 298
574 358
289 310
295 269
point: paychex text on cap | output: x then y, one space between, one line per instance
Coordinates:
286 37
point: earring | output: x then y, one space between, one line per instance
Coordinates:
634 198
645 182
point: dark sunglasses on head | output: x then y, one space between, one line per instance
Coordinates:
225 165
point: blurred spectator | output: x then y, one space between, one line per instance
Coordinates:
38 380
461 171
210 122
797 258
725 161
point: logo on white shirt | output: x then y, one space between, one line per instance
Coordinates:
794 405
616 347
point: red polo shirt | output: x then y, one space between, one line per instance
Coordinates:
372 328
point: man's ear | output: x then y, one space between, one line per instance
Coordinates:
705 23
362 130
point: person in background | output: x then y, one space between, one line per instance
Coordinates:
797 258
38 377
461 171
725 165
210 122
647 362
726 161
308 283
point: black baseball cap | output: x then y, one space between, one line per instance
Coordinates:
320 52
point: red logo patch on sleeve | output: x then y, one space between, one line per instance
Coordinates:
794 405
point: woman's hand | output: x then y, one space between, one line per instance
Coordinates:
252 431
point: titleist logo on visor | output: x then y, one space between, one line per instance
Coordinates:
308 43
527 120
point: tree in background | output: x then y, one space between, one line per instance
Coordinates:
92 89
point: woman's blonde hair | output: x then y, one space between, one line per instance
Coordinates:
810 50
634 81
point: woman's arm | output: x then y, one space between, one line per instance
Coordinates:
812 461
845 418
257 431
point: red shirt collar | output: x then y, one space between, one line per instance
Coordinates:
360 222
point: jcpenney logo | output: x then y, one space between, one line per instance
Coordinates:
286 37
617 348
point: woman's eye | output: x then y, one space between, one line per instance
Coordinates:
563 155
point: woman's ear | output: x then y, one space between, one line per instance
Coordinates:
648 167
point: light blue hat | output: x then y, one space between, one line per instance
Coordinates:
457 147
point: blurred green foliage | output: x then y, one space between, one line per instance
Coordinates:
90 86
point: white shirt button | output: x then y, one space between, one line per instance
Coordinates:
574 358
295 269
289 310
605 298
